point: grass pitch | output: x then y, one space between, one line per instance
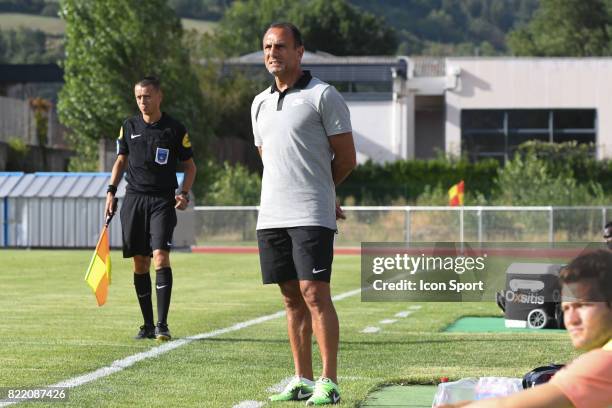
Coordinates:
52 331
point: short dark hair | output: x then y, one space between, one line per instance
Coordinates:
608 230
297 36
595 267
149 81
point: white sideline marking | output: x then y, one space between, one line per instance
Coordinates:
373 329
120 365
370 329
346 294
388 321
249 404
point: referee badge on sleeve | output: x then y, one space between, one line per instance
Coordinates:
161 155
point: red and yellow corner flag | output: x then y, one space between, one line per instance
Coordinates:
98 275
455 194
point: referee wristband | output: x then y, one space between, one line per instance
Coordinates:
111 189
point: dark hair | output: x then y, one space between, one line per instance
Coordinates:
595 267
608 230
149 81
297 36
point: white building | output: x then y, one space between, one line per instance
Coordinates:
405 108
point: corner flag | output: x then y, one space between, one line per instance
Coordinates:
455 194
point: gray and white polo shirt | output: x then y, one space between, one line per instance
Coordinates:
293 127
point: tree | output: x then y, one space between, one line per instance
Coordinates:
234 185
200 9
544 174
337 27
447 23
110 45
333 26
578 28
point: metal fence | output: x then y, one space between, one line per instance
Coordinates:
236 225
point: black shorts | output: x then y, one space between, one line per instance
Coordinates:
297 253
147 224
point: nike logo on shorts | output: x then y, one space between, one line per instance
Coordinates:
135 136
315 271
146 294
160 287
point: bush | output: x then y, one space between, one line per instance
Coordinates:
378 184
233 185
17 152
541 174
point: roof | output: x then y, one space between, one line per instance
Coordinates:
59 185
319 58
352 68
22 73
329 67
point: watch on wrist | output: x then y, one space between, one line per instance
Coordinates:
185 194
111 189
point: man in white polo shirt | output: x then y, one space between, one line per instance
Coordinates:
303 132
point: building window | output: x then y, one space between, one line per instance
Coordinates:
497 133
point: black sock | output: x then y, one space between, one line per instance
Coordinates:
163 284
142 283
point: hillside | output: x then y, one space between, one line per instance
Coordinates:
452 27
431 27
55 25
434 27
49 25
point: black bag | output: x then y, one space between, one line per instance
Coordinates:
540 375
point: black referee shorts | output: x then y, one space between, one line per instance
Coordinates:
147 224
297 253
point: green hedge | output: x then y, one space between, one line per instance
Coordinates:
406 180
372 183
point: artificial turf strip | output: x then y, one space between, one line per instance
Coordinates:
405 396
489 325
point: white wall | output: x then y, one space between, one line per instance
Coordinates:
531 83
373 130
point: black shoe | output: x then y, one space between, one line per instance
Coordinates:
162 333
146 332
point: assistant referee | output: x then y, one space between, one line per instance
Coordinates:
150 145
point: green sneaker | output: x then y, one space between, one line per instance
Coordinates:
325 392
297 390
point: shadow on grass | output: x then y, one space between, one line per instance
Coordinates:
452 341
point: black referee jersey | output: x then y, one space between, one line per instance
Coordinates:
153 151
